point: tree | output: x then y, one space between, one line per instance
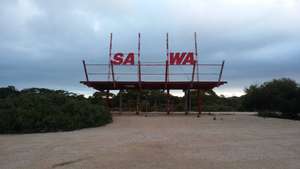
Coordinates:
278 95
7 91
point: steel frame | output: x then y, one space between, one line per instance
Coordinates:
139 85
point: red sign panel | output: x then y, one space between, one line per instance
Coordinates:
176 58
121 59
184 58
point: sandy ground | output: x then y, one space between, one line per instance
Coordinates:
174 142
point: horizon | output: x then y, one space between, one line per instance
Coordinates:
178 93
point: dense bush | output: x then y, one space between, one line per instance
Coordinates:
277 98
44 110
156 100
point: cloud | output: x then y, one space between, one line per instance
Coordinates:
43 42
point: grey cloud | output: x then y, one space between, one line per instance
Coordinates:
43 42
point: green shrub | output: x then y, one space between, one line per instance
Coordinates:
44 110
266 113
278 95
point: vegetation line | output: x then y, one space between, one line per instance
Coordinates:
45 110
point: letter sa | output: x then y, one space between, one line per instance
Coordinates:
118 59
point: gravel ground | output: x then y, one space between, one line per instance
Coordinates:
174 142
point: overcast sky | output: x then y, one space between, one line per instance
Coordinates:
43 42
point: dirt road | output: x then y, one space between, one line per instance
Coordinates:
173 142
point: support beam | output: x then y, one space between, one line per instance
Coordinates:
168 101
113 75
109 56
120 101
167 46
139 60
138 100
167 61
166 74
189 101
200 103
221 71
196 53
186 102
193 73
85 71
139 76
107 98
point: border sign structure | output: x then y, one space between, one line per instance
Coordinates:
123 72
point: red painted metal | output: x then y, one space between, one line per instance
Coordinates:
200 104
150 64
107 98
103 85
196 47
113 74
139 75
139 47
221 71
85 71
168 101
167 75
139 60
123 59
109 56
129 74
168 59
163 78
124 53
181 58
196 53
193 74
167 46
161 71
138 103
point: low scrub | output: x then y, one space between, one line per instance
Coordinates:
280 97
274 114
44 110
269 114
